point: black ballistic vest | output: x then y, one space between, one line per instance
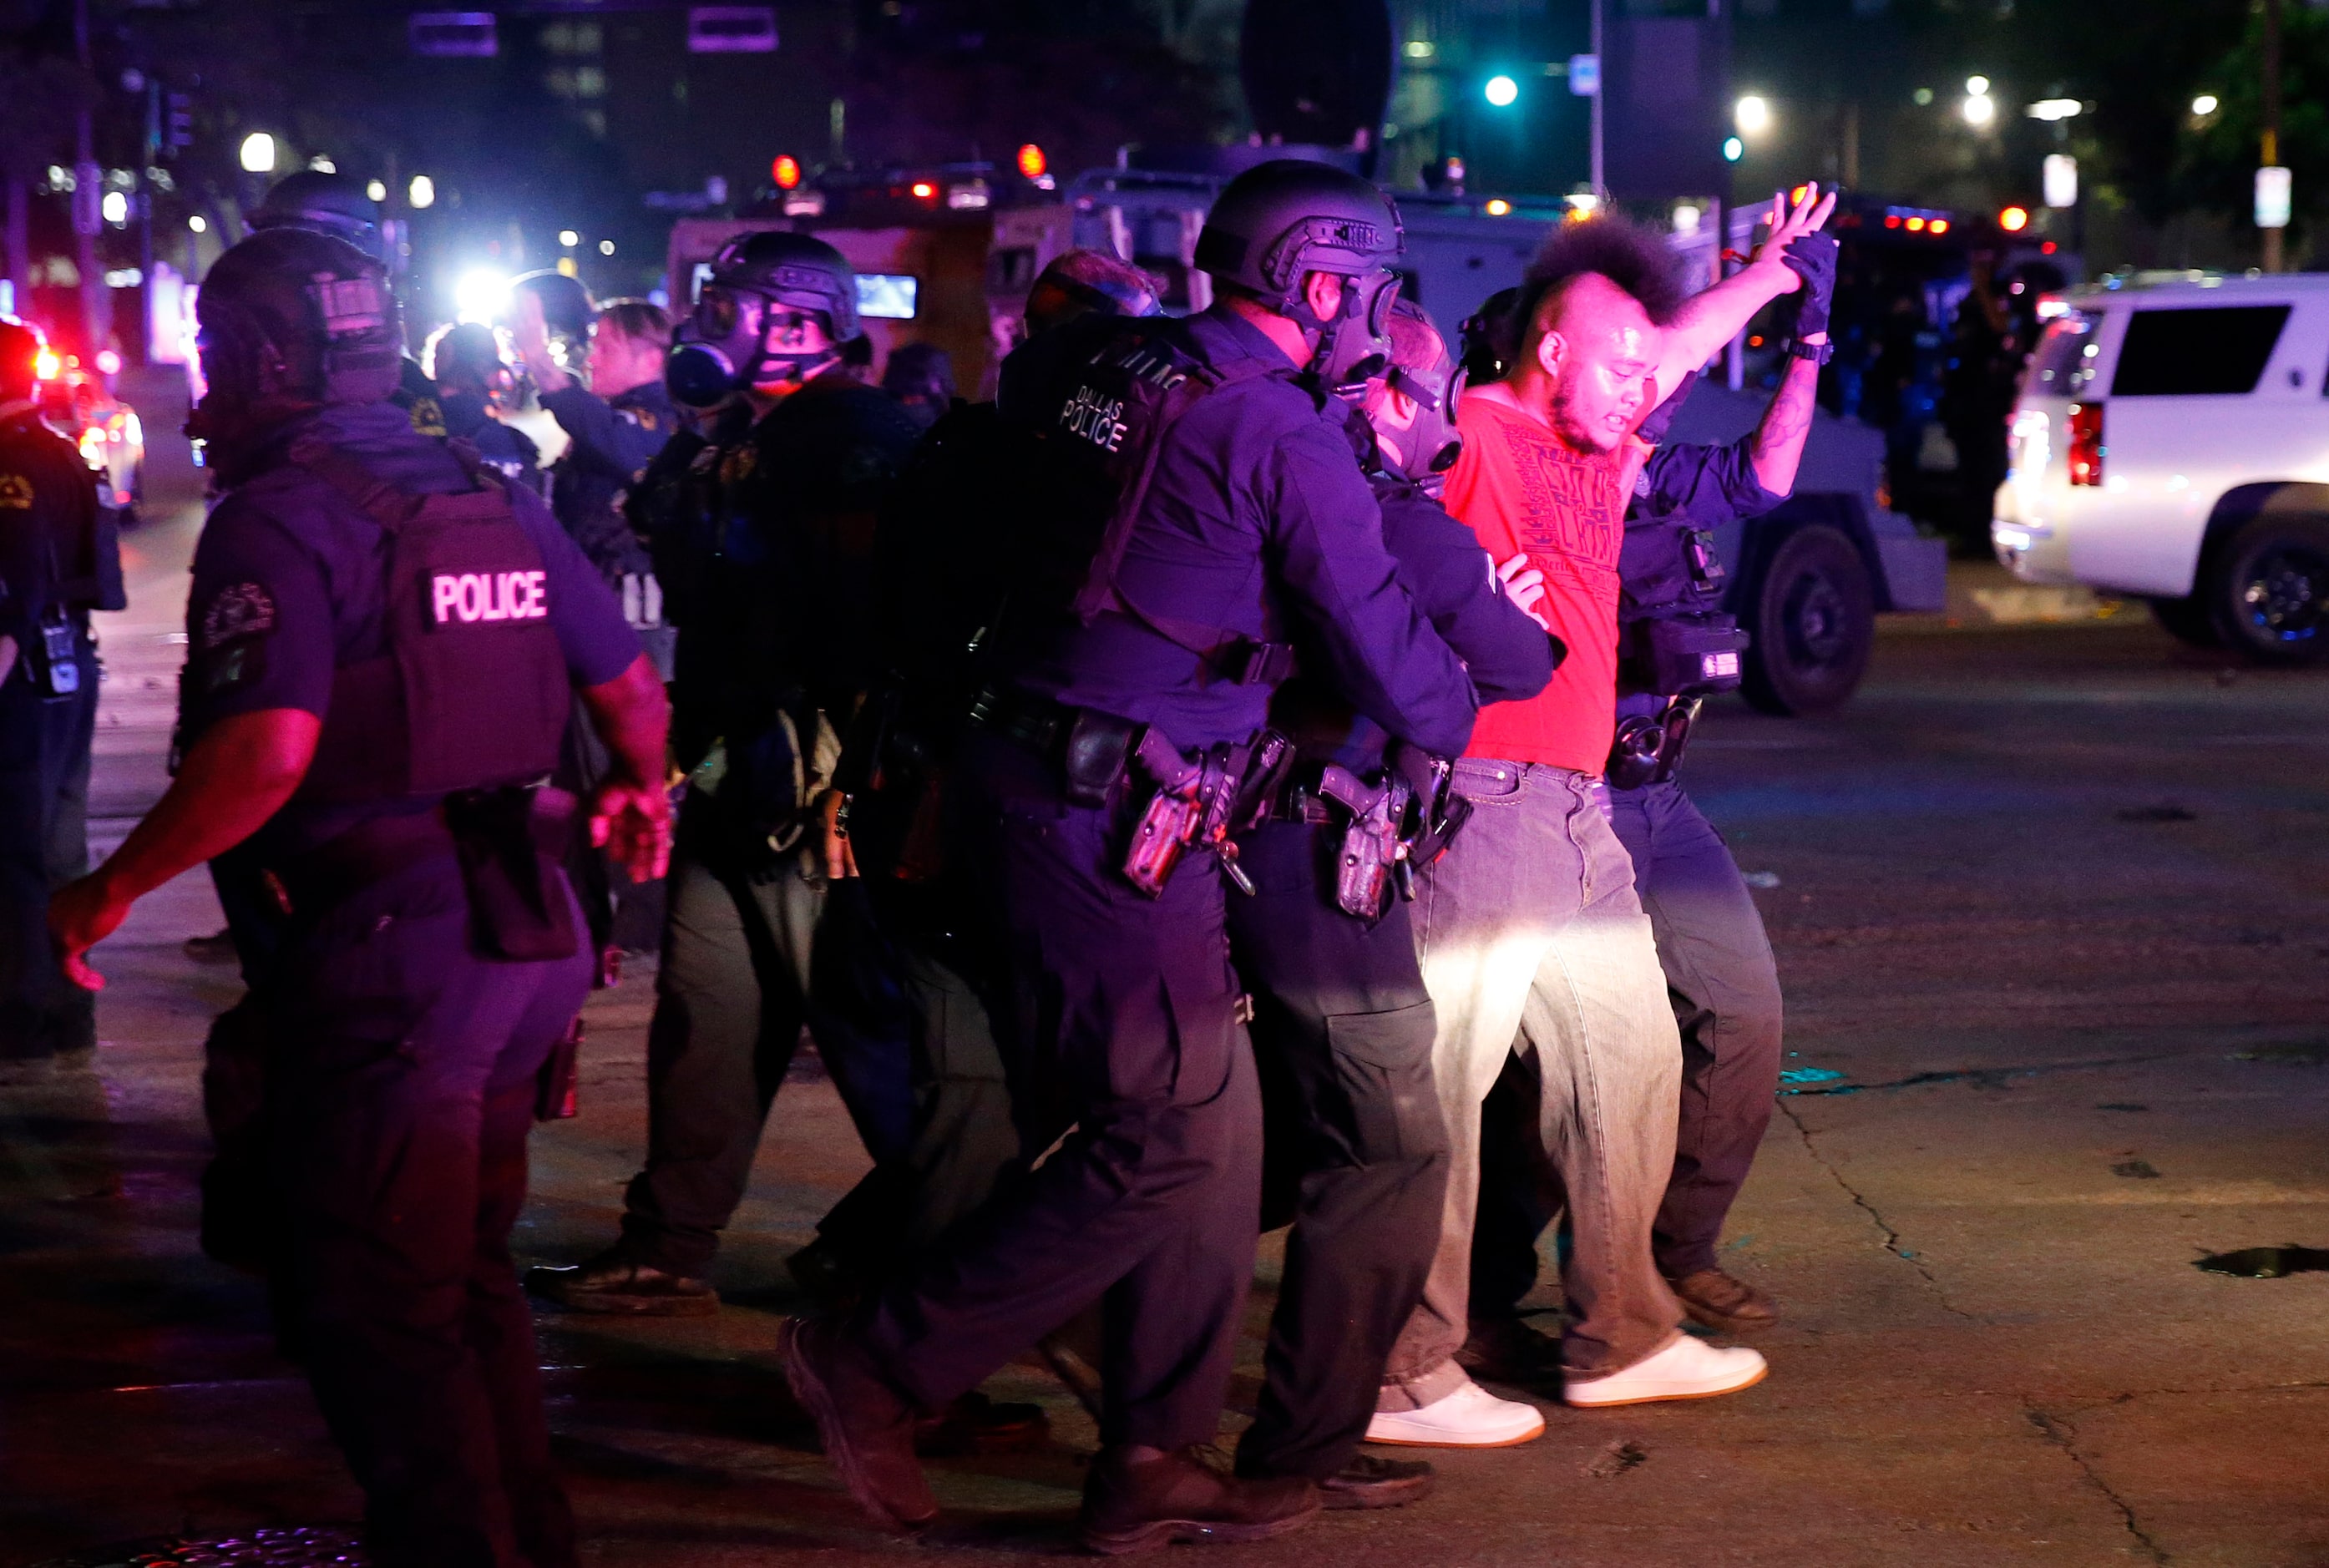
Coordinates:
472 692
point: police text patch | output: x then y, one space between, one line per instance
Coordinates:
473 596
239 610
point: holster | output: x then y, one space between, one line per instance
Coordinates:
1375 834
1199 800
509 843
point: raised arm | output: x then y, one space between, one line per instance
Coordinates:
1713 316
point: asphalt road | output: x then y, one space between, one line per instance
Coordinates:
2049 905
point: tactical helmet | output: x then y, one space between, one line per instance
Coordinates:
322 203
287 319
1281 219
1432 443
722 347
290 312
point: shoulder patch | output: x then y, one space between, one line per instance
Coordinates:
739 464
15 492
239 610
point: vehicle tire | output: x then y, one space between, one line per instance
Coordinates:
2270 593
2187 620
1813 624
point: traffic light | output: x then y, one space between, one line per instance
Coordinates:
177 122
1032 162
786 171
2013 220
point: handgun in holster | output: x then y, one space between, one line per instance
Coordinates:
1440 812
1375 839
1200 802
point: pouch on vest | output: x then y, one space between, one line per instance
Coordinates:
1674 638
472 692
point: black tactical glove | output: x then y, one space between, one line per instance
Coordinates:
1812 258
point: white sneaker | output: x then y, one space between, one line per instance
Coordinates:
1689 1368
1471 1417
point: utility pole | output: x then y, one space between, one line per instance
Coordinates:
89 202
2271 150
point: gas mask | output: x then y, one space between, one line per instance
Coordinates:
722 348
1354 344
1432 442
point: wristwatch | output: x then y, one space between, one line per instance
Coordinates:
1818 352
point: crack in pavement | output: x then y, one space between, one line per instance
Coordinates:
1984 1077
1891 1237
2065 1436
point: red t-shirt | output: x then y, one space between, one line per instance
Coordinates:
1521 488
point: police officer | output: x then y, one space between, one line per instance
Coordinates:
920 376
761 533
474 385
615 425
381 649
1341 1024
1228 514
1720 973
56 565
336 204
616 421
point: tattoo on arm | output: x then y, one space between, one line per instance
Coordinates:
1779 438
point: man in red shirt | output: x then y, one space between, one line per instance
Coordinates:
1531 934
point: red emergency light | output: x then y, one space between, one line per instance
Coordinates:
924 191
786 171
1032 162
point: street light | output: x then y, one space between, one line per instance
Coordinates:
376 188
1751 115
1733 149
2054 109
1979 108
115 208
2205 105
1502 91
421 193
259 154
568 238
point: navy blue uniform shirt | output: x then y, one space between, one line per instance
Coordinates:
508 451
289 583
610 442
1260 522
1686 484
47 507
1440 564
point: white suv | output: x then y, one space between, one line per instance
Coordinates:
2172 441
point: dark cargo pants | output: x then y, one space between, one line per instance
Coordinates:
1121 1019
1725 990
1356 1148
732 994
401 1088
44 749
888 967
